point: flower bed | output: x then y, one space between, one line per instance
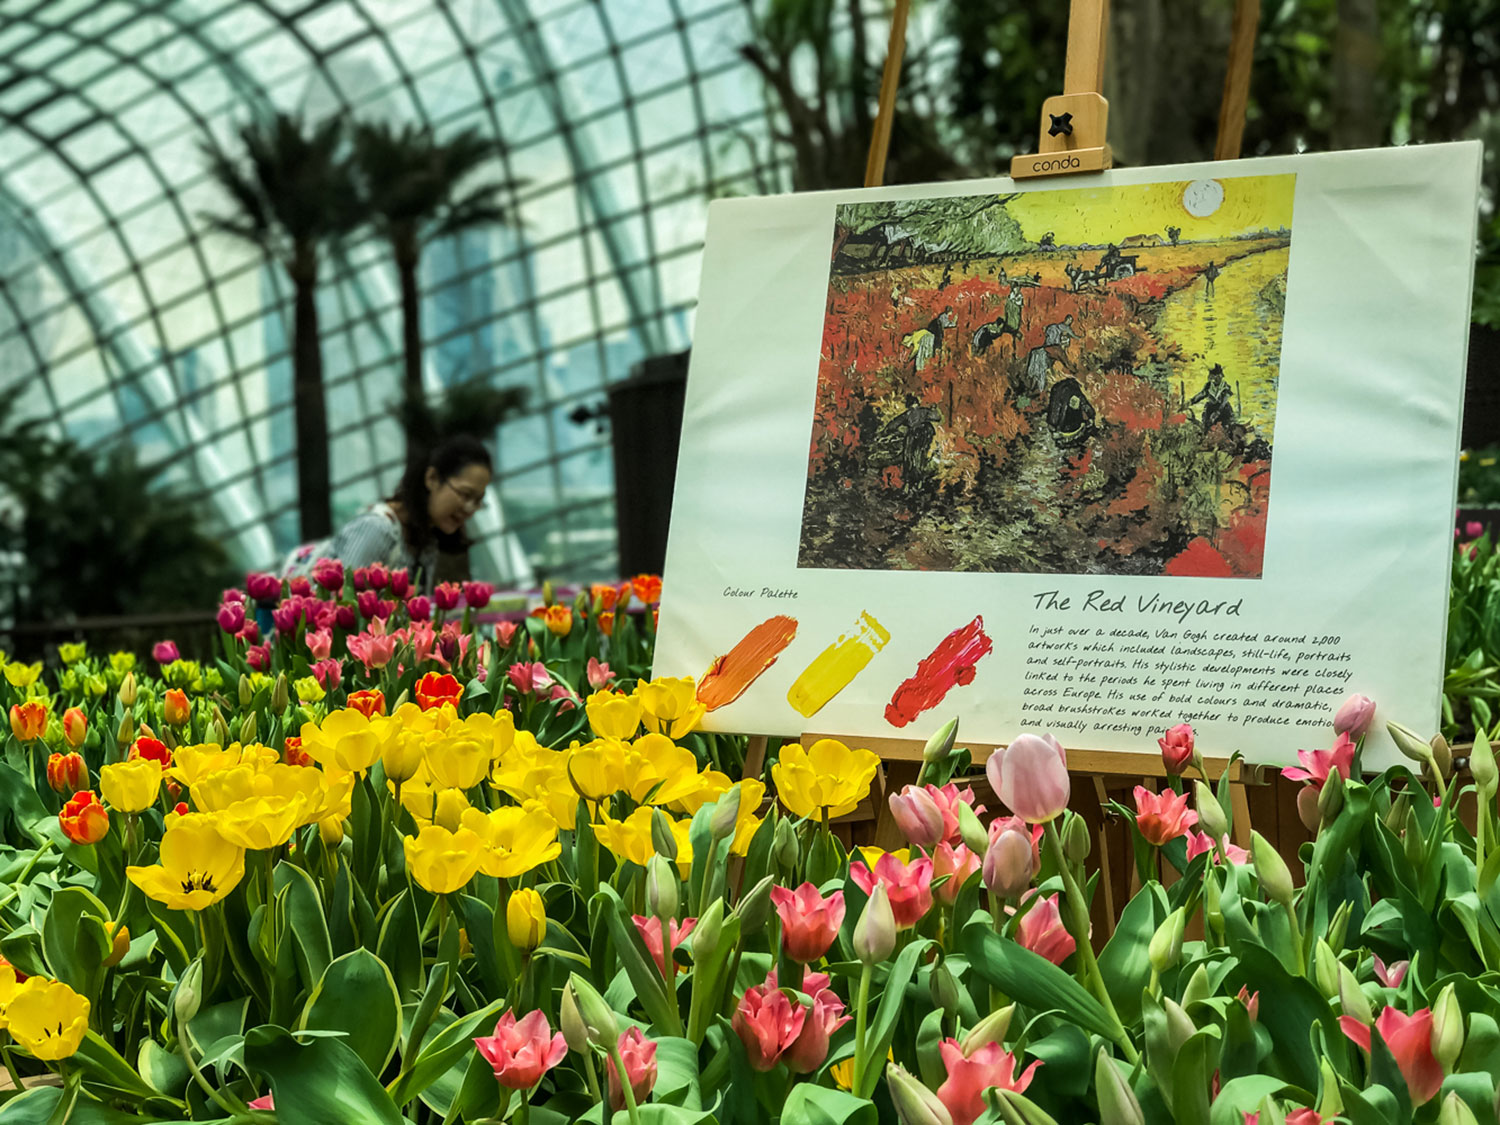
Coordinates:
378 867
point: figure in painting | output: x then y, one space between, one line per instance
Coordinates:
907 438
1217 398
926 342
1069 412
1210 274
1055 342
1008 323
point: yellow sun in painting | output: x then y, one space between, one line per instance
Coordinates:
1202 198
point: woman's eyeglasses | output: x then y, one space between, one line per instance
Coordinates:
470 500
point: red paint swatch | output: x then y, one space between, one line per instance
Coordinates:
729 676
949 665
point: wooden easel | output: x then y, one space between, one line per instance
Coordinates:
1073 140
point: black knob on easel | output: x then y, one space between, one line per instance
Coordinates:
1062 123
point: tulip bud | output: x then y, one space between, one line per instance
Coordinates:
661 888
601 1027
943 989
1180 1026
331 831
1331 797
1482 765
279 695
1197 989
915 1104
247 728
246 692
581 603
662 840
940 745
119 943
1330 1102
1211 911
1447 1029
991 1029
1412 840
1338 926
755 907
1325 970
525 918
726 815
574 1031
1307 808
1075 840
1008 864
784 848
875 932
1117 1101
1352 997
126 734
971 828
1410 743
1455 1111
548 594
704 940
220 732
127 691
1442 755
169 739
1395 817
1166 943
1211 819
1275 879
185 997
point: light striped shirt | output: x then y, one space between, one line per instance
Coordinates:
375 535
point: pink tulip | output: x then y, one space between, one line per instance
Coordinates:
477 595
812 983
1355 716
1251 1000
1041 930
286 616
1200 842
325 615
767 1024
1410 1041
267 1102
1306 1116
529 678
258 657
1162 816
367 600
947 799
505 632
384 608
329 574
650 931
1391 975
809 922
360 578
231 617
1249 1118
1033 832
1177 748
1317 764
372 649
1473 529
918 816
599 674
264 588
319 643
1030 776
400 583
969 1076
233 594
165 652
419 607
328 673
810 1048
448 595
343 616
299 586
957 864
378 575
639 1056
909 886
250 634
521 1052
1010 864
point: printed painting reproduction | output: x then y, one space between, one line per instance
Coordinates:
1081 381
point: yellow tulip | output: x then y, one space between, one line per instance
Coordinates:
259 823
524 764
411 717
331 829
659 771
22 676
48 1018
309 690
597 769
198 866
8 987
628 839
498 732
827 775
526 919
517 840
332 796
557 797
670 707
711 786
441 861
458 763
613 715
345 741
752 793
192 764
130 786
401 751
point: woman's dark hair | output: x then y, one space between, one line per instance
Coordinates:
451 456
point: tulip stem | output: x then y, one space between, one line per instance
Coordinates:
1078 925
860 1019
226 1101
625 1087
10 1065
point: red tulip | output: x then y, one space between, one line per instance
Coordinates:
918 816
400 583
767 1024
956 863
448 595
370 702
1177 748
1030 776
83 819
639 1056
650 931
1410 1041
1162 816
1354 717
258 657
809 922
1317 764
329 574
970 1076
810 1048
909 886
438 689
377 575
521 1052
1041 930
477 595
419 607
154 749
299 586
1251 1000
360 578
67 773
1391 975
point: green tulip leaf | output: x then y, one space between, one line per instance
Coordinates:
37 1107
1125 961
357 995
892 1001
677 1080
318 1081
399 947
75 949
303 922
817 1105
107 1070
1241 1096
441 1051
1032 980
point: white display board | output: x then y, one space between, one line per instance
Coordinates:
1089 455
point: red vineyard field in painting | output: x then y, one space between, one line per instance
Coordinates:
1064 382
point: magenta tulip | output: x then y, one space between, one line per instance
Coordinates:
419 607
809 922
329 574
264 588
448 595
477 595
231 617
1030 776
378 575
400 583
165 652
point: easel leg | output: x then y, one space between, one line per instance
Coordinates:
755 756
1239 803
1106 875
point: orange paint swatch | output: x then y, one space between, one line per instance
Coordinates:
729 675
832 669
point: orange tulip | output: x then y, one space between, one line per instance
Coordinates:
607 623
75 727
83 819
293 753
67 773
437 690
28 720
559 619
174 707
647 588
370 703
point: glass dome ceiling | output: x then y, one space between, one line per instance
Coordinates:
121 315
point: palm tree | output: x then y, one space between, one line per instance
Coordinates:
412 184
295 194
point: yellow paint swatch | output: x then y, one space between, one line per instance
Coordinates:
833 668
